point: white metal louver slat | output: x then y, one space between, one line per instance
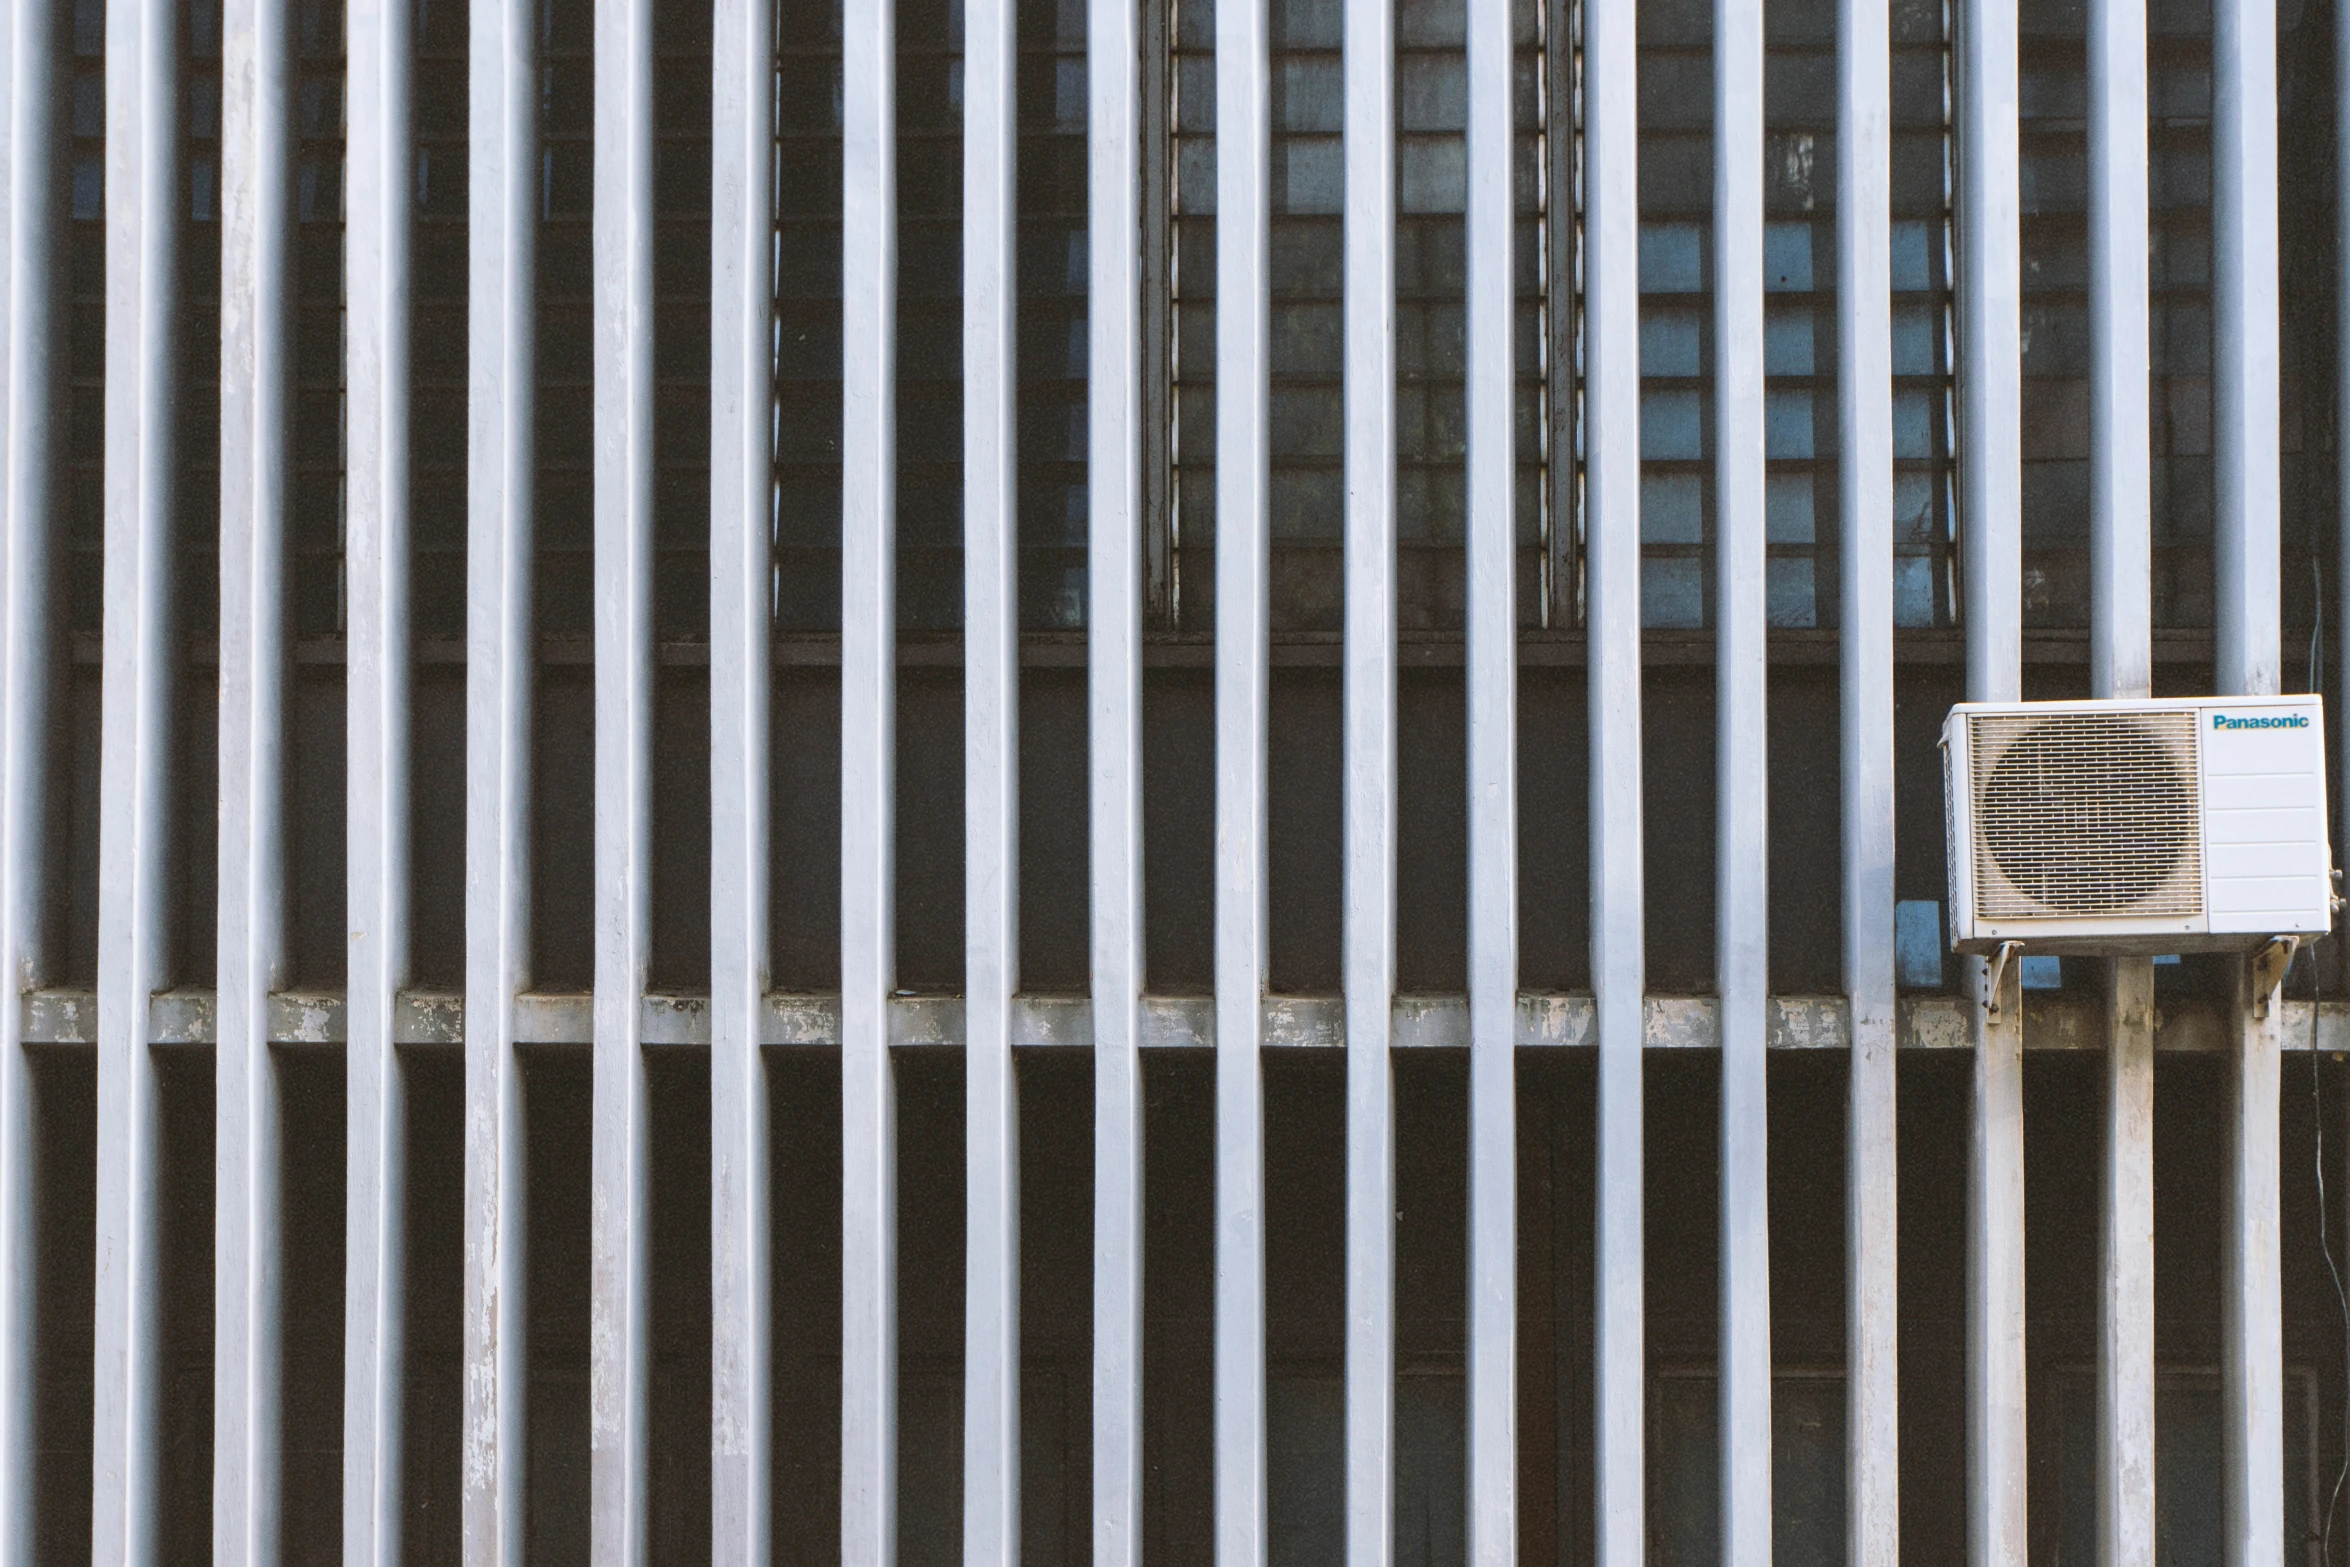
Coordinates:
1742 860
28 135
1370 802
741 574
619 1305
991 770
2245 582
1864 366
1114 723
1493 801
868 659
1243 607
1611 403
2121 665
501 231
142 326
378 237
1991 478
248 1238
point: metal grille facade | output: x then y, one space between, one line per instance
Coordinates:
959 450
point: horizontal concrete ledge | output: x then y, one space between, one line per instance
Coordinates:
186 1017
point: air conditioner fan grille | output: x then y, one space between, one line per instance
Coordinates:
2083 815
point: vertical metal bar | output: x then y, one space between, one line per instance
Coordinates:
1991 487
1117 568
1370 801
2251 1299
502 224
991 775
742 400
28 364
1990 306
1493 799
2125 1364
619 1305
1611 401
1864 404
378 236
2121 475
1995 1276
868 656
1742 858
2246 476
2121 664
2245 411
1244 141
134 794
255 371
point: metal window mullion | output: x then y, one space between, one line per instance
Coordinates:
2121 665
868 738
1991 490
134 795
1243 609
1116 574
378 238
742 392
500 495
1742 863
1612 420
248 1242
28 380
991 762
2246 472
1864 321
1370 790
1493 797
619 1304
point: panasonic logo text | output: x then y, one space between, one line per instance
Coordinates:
2277 721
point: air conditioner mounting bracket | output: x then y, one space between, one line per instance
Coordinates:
1995 975
2268 970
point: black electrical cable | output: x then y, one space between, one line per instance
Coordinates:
2317 1109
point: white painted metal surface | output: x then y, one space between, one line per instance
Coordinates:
248 1237
868 871
28 494
1742 909
379 237
742 400
1611 411
620 1175
1864 368
1989 285
1244 283
991 794
2245 655
501 326
142 326
1370 787
1114 562
2121 664
1493 802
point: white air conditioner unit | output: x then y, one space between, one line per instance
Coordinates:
2192 825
